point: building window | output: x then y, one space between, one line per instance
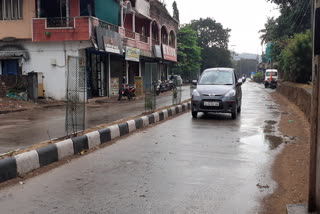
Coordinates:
10 9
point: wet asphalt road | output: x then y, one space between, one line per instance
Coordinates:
23 129
207 165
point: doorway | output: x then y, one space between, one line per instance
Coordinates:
10 67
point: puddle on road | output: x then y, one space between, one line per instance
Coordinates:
270 126
273 141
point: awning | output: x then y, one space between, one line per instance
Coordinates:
17 53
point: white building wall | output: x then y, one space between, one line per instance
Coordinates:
43 55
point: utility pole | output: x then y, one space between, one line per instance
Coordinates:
314 197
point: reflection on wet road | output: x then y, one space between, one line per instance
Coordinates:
22 129
212 164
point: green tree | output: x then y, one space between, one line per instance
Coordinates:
213 39
211 33
296 59
176 14
246 66
215 57
268 32
294 18
189 54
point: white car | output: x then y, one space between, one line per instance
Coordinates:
270 77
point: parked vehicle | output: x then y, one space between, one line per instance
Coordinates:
218 90
175 80
244 78
164 86
127 91
157 86
271 78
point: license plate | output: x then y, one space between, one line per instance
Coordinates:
211 104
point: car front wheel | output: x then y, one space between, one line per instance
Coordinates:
194 114
239 109
234 113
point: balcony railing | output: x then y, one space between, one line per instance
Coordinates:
60 22
155 42
130 34
108 26
143 38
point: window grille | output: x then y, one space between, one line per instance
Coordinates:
11 9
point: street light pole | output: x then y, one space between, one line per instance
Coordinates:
313 200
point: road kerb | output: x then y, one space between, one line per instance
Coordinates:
23 163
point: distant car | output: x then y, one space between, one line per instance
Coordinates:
271 78
218 90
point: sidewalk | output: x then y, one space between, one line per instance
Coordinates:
22 129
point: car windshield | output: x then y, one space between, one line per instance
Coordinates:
217 77
268 73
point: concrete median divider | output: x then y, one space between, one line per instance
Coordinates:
18 165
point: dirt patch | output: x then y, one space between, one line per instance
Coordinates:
9 105
291 167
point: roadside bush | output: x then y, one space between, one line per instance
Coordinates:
258 77
296 59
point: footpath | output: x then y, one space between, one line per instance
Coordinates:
23 129
291 167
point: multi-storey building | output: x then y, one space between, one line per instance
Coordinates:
113 38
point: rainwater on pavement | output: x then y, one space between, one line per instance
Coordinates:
211 164
22 129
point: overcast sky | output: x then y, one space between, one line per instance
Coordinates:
244 17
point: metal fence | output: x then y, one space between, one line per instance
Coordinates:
176 93
150 79
75 96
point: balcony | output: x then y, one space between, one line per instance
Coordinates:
130 34
61 29
143 38
67 29
135 40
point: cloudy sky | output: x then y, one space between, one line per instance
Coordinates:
244 17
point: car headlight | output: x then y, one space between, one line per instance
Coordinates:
231 93
195 93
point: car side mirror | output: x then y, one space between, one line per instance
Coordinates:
239 84
194 82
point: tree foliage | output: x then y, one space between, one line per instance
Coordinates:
294 18
215 57
289 40
213 39
211 33
296 58
189 54
246 66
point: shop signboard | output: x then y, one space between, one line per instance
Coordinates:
114 86
111 41
132 54
157 51
139 85
169 53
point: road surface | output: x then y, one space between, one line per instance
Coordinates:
207 165
23 129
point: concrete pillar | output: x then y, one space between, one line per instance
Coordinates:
140 72
109 76
134 22
127 72
121 11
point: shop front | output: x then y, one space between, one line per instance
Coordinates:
105 64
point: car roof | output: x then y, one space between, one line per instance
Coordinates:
271 70
217 69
